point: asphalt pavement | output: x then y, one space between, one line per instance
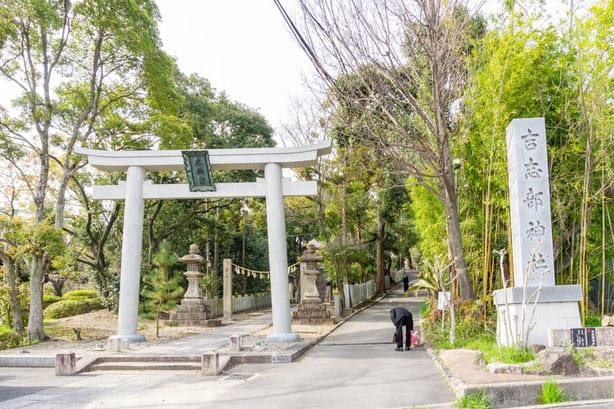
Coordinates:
355 367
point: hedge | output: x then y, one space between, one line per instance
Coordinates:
79 294
50 299
70 307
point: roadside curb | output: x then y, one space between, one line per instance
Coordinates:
522 395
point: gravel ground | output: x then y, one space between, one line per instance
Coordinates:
95 327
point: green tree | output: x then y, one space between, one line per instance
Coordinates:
83 72
160 292
410 72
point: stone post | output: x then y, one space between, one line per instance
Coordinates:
209 362
234 343
65 364
227 270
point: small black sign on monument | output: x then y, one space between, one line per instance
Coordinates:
583 337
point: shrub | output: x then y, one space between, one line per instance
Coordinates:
470 326
79 294
8 338
50 299
551 393
476 400
70 307
593 319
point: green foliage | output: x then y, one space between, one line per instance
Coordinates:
159 292
8 338
476 400
508 355
551 393
431 277
79 294
70 307
472 330
429 221
591 357
524 69
50 299
593 319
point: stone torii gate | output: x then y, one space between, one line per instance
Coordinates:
136 189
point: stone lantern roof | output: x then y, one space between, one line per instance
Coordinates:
310 255
193 257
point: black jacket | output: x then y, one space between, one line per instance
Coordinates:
397 314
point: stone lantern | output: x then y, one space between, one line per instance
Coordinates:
311 310
193 308
193 260
309 273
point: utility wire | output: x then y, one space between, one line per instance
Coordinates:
305 46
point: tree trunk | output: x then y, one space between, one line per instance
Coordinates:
57 281
36 331
11 278
344 223
455 241
379 252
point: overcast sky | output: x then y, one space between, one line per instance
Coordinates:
241 46
244 48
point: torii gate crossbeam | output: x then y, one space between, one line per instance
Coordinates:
136 189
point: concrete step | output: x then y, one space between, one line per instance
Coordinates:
143 362
149 358
144 366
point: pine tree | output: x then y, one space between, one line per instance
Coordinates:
159 291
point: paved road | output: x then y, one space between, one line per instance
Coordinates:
354 367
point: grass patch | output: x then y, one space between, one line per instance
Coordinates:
482 344
589 357
58 330
79 294
551 393
476 400
508 355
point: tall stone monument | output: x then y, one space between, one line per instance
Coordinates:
534 305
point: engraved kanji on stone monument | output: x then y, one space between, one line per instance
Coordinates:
530 203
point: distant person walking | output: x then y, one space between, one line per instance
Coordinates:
401 317
405 282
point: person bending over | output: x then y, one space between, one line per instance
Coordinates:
401 317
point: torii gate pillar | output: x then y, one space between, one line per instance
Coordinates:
278 258
132 245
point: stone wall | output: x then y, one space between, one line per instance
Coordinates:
562 337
